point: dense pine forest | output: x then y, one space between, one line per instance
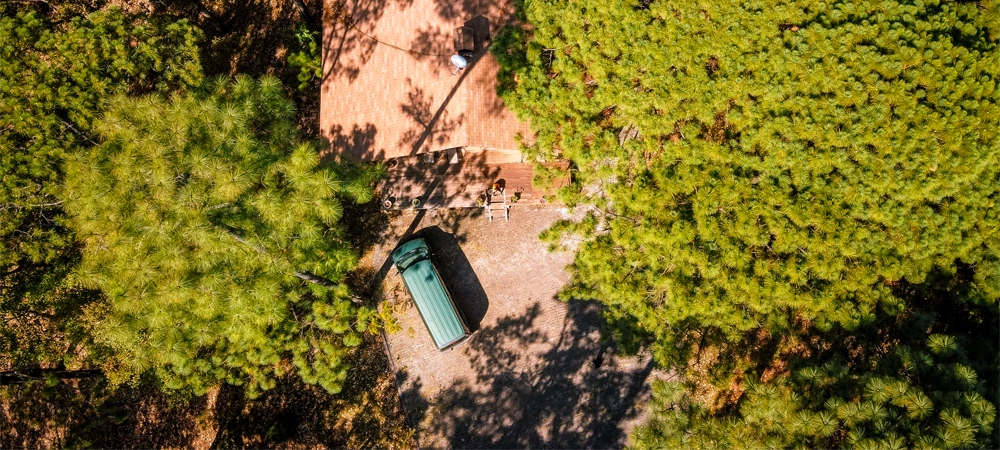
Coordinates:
169 230
794 208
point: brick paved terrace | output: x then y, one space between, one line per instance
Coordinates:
535 372
388 89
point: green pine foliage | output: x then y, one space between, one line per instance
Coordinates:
53 80
214 232
925 397
306 60
755 175
751 164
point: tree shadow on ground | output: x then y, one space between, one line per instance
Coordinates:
458 274
576 394
366 414
89 413
367 224
243 37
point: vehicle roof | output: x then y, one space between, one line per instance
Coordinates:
409 246
429 293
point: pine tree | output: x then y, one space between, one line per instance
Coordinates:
214 232
751 172
926 397
53 79
788 162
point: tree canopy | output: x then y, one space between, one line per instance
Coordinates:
750 163
828 406
214 232
923 379
753 174
53 80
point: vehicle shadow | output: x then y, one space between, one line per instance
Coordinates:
458 274
576 394
440 178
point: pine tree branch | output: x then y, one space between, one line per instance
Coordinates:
315 279
307 276
78 132
46 205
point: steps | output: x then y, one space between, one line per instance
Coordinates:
496 200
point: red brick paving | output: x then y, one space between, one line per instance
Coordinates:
535 373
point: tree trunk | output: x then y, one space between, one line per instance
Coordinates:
315 279
306 15
310 277
24 376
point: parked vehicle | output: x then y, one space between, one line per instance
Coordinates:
445 322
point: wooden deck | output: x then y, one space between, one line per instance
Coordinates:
456 178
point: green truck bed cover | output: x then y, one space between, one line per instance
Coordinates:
433 301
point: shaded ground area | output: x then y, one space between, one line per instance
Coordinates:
87 413
250 37
536 372
460 178
574 394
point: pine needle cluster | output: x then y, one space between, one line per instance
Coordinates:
214 233
798 157
749 168
54 77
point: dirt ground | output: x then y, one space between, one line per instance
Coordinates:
535 373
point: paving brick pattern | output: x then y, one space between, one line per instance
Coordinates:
535 372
